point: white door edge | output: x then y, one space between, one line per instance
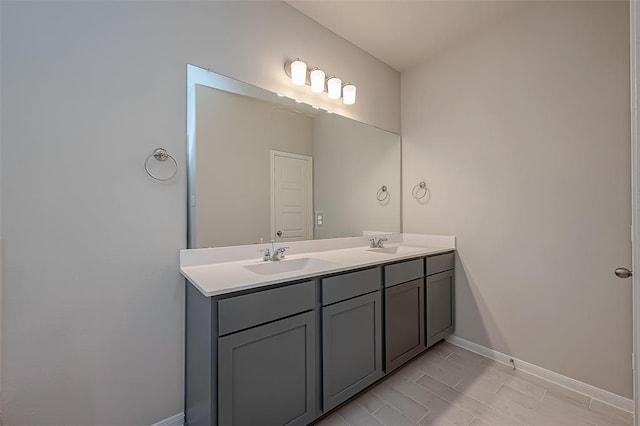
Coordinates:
635 219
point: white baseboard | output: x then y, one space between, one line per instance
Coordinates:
607 397
177 420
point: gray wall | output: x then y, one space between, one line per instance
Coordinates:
522 134
93 303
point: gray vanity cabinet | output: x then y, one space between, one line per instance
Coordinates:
404 312
267 374
440 297
404 322
288 353
351 335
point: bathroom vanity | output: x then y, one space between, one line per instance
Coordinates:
276 343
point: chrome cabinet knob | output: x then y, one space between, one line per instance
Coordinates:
279 233
623 273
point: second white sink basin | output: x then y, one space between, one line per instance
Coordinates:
287 265
395 250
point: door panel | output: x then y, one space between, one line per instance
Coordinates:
291 197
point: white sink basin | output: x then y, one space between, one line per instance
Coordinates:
395 250
287 265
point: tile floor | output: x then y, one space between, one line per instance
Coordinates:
448 385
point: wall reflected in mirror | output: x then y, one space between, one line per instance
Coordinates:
263 167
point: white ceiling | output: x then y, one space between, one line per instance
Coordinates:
405 33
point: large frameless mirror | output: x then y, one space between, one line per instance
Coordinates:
263 167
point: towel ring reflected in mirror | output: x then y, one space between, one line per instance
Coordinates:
382 193
162 155
420 191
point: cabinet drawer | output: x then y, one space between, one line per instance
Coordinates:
345 286
249 310
440 263
402 272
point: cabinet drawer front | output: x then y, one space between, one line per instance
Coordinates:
249 310
440 263
402 272
345 286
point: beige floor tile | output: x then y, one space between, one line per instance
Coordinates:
446 417
464 402
392 417
370 401
530 410
558 390
439 409
402 402
356 415
442 349
478 422
411 371
470 356
333 420
448 385
609 410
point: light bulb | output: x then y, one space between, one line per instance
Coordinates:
349 94
317 81
298 72
334 87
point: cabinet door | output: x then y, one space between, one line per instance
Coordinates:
352 347
266 375
404 322
440 313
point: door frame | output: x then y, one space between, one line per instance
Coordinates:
272 164
634 10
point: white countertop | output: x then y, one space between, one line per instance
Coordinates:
217 271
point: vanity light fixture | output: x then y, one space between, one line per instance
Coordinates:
349 94
334 87
298 72
317 80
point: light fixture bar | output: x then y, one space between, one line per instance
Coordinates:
297 70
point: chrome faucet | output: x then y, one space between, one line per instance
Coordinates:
377 244
275 254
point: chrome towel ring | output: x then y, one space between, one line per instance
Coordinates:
419 191
161 154
382 193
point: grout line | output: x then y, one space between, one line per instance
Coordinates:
412 399
343 419
491 407
378 409
422 418
421 376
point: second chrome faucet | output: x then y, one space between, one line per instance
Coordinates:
275 254
377 244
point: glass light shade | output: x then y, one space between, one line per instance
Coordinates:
298 72
349 94
334 87
317 81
